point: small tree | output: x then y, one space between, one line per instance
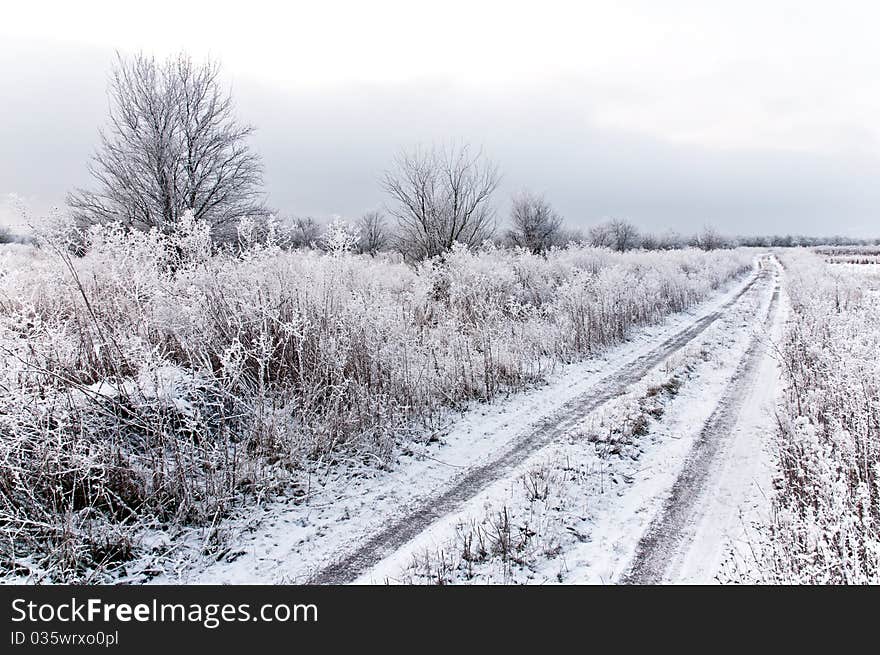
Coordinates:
671 240
599 236
708 239
301 232
624 235
617 234
649 241
173 144
781 241
534 223
373 233
339 238
441 197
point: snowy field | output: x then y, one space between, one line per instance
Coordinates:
826 513
490 416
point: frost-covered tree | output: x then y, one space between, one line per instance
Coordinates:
373 233
599 236
172 144
617 234
708 239
649 241
624 235
339 237
301 232
534 224
671 240
441 197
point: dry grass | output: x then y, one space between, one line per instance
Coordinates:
155 383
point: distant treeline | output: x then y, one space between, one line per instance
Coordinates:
794 241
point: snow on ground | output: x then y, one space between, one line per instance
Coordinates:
741 485
574 512
289 541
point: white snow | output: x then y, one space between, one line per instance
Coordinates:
607 508
741 486
287 542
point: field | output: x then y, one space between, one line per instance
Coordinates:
170 412
849 254
826 526
150 383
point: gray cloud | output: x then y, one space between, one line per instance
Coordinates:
325 149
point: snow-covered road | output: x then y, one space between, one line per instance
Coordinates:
372 526
723 486
596 520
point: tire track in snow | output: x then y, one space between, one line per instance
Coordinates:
397 533
664 545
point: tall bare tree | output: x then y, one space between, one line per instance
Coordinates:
373 233
442 196
534 223
173 144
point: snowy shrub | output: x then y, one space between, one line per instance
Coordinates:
339 237
826 527
154 382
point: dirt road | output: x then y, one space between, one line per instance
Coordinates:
404 528
706 513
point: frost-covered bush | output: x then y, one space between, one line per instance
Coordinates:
154 382
826 527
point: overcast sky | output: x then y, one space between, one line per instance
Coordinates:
749 116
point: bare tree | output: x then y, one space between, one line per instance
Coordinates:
617 234
373 233
671 240
624 235
649 241
781 241
173 144
441 197
600 236
708 239
302 232
534 223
